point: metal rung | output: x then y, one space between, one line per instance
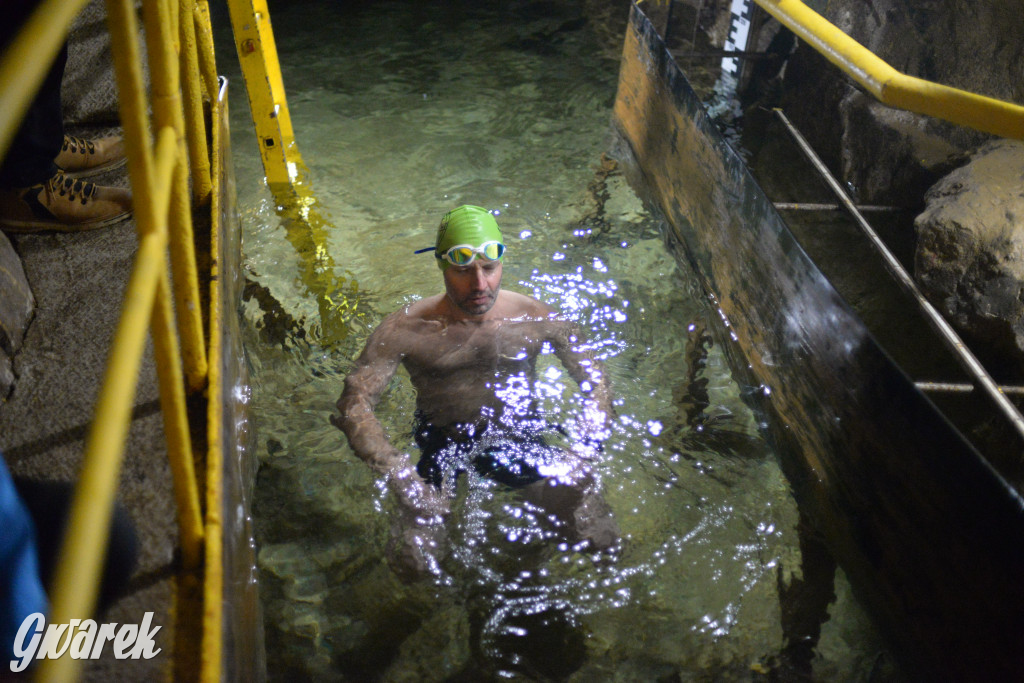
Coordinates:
958 388
738 54
806 206
967 360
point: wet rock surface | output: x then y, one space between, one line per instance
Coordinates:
16 307
889 156
970 251
968 258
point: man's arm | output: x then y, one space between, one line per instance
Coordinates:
583 366
374 369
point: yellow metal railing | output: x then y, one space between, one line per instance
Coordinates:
891 87
257 54
337 296
210 665
159 179
160 153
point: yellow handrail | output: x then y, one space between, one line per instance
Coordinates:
891 87
159 178
204 43
167 111
338 297
257 55
198 154
85 540
211 650
152 217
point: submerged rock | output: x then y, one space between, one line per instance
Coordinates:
16 307
970 252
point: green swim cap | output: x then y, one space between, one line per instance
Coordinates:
465 225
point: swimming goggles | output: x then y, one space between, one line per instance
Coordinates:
464 254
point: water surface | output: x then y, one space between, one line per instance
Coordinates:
404 110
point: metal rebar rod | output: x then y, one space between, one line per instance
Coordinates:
739 54
808 206
960 388
952 340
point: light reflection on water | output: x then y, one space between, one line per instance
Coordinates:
512 115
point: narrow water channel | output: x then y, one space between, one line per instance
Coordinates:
403 110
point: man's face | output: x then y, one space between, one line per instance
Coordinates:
473 288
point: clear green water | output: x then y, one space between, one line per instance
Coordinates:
403 110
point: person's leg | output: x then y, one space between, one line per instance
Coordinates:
554 479
574 497
418 538
48 503
30 158
36 194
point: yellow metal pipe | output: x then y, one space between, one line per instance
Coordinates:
167 111
211 651
207 56
165 160
73 594
134 110
891 87
195 121
257 55
171 381
176 429
170 10
27 60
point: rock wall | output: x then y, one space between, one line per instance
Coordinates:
889 156
16 308
970 236
970 252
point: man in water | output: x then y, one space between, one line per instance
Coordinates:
471 354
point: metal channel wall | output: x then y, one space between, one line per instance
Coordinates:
929 534
233 621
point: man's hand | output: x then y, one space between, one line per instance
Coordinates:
418 536
418 499
593 427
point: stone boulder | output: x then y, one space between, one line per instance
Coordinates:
970 252
16 307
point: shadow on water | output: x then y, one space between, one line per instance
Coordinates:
528 635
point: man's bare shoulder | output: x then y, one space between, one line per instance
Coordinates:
522 306
403 331
405 325
412 315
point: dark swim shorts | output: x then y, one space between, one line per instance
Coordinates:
515 458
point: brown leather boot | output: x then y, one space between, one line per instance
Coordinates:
62 203
81 158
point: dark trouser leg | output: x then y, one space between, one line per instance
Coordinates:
48 503
29 160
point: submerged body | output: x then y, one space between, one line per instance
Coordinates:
471 354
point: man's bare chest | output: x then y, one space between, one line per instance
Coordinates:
499 347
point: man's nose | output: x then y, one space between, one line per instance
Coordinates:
479 277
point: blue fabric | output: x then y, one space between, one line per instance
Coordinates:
21 591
